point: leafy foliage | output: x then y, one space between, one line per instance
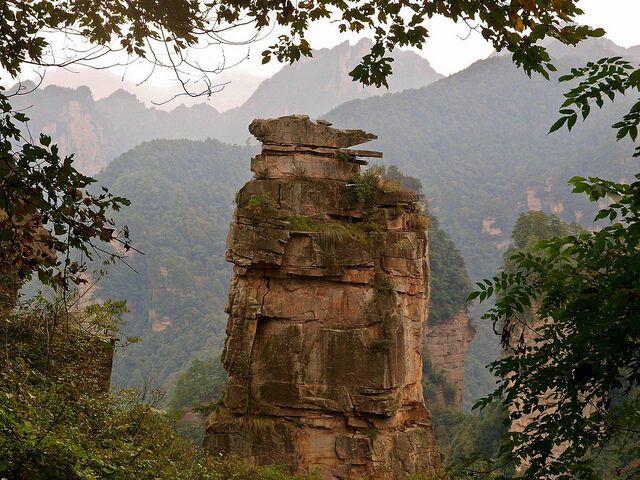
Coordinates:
47 209
234 468
576 378
176 25
432 383
379 178
364 185
58 422
534 226
608 77
587 284
132 25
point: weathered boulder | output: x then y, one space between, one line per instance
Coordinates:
299 130
327 309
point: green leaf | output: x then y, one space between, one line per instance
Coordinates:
559 123
473 295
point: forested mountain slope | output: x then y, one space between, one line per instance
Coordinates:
181 196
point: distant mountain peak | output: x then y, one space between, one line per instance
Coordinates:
123 95
121 120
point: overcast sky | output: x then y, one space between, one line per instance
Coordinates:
451 48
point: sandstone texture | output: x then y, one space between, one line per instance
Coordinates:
327 309
299 130
445 347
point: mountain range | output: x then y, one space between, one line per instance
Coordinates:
477 140
98 131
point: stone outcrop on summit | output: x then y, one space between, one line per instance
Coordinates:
327 309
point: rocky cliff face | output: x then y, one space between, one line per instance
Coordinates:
524 335
445 348
326 312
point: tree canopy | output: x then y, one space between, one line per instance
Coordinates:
163 32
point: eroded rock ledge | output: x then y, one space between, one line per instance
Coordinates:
326 312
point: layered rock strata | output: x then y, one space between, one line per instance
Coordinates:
326 312
445 348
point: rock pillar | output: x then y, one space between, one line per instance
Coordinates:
326 312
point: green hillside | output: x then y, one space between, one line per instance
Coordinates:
182 197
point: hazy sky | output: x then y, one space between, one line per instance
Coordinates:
451 48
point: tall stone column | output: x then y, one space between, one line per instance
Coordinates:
326 308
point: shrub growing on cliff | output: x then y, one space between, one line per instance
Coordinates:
362 187
259 203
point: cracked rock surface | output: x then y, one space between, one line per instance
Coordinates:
327 309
